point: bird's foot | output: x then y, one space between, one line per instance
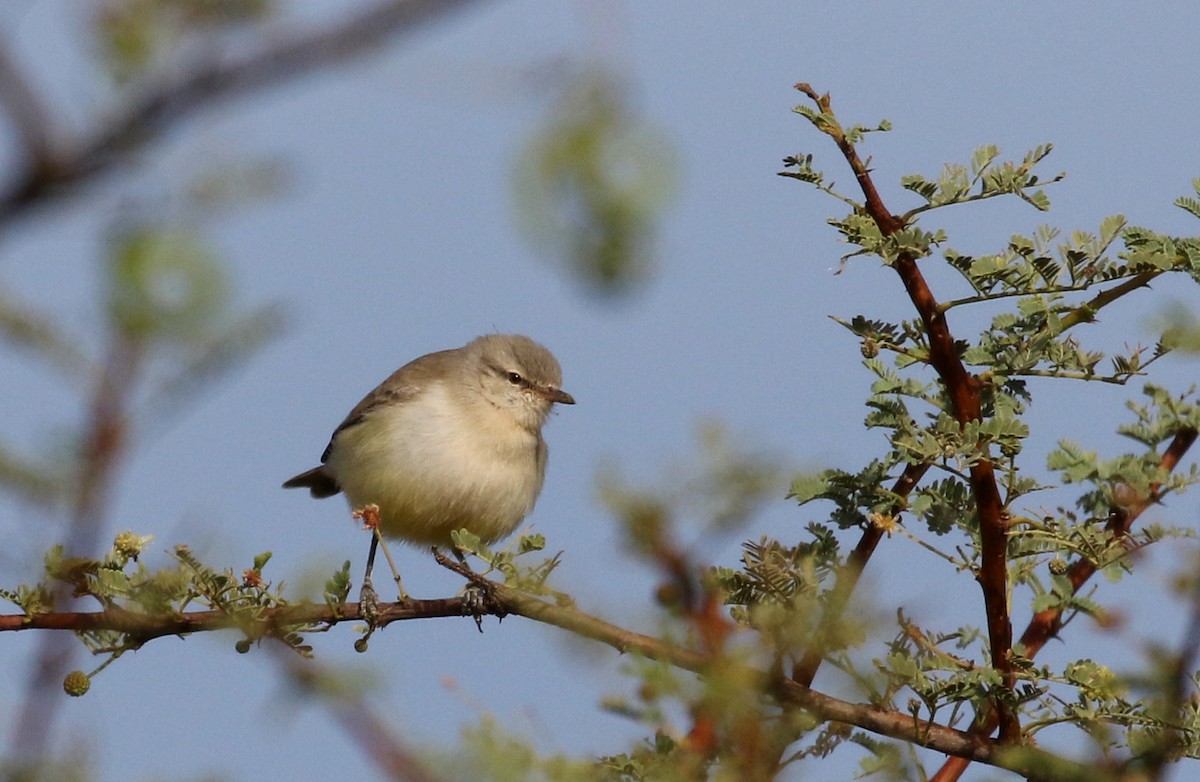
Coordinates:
368 601
475 599
368 606
478 597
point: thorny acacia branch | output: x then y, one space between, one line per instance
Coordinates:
848 576
1045 624
502 601
965 393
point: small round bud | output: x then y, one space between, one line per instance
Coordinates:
1058 566
360 645
668 595
76 683
869 348
242 646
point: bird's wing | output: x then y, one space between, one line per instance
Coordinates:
401 386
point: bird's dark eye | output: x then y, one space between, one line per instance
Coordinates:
514 378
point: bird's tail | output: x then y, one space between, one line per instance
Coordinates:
318 481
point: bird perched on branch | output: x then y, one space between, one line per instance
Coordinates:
452 440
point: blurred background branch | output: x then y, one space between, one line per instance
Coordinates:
53 169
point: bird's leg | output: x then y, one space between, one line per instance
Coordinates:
387 554
368 598
369 515
474 594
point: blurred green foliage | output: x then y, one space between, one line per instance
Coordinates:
592 185
164 284
136 36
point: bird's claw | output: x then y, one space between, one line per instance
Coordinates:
368 601
475 603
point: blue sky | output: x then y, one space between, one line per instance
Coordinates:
395 236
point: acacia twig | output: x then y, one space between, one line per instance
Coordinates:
1046 623
501 600
964 391
849 575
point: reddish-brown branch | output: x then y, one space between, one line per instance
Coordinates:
1045 624
888 223
993 577
964 391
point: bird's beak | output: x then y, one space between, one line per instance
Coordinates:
556 395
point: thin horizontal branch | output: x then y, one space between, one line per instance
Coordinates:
175 99
147 627
1087 311
504 601
946 306
917 211
1116 380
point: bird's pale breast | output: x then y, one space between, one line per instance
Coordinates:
437 463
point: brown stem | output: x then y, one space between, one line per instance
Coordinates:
146 627
1045 624
1087 311
964 391
504 601
888 223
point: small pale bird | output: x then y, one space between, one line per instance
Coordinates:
452 440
